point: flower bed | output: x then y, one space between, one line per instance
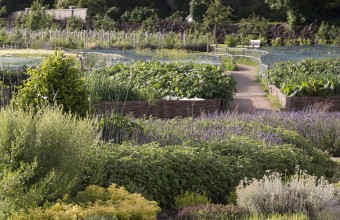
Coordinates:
152 81
306 77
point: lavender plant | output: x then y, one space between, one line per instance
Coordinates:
303 128
302 193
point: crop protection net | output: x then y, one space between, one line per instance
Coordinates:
296 53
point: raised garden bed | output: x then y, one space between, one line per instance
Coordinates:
296 103
161 109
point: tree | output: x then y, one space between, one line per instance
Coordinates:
139 14
307 11
254 27
216 14
37 18
103 23
2 13
57 80
197 9
74 23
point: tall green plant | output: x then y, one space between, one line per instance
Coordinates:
74 23
37 18
43 156
57 80
216 13
254 27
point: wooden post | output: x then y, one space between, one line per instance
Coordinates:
184 40
134 39
207 43
180 39
25 34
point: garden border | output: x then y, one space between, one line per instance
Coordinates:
294 103
161 109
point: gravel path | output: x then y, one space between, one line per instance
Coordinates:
250 96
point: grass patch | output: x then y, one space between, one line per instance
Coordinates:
246 61
29 53
274 101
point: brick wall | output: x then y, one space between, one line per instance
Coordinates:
59 14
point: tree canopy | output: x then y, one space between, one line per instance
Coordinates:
307 11
297 12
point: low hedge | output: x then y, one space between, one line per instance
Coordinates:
162 173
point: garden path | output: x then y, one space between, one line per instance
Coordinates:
250 96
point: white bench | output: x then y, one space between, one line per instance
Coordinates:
255 43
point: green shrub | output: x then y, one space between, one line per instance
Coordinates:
69 43
301 193
328 35
303 41
254 27
37 17
229 64
289 42
118 128
74 23
276 42
190 199
231 40
213 211
161 173
170 41
96 203
43 156
58 81
103 23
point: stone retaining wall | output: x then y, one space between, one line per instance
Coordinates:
161 109
329 103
